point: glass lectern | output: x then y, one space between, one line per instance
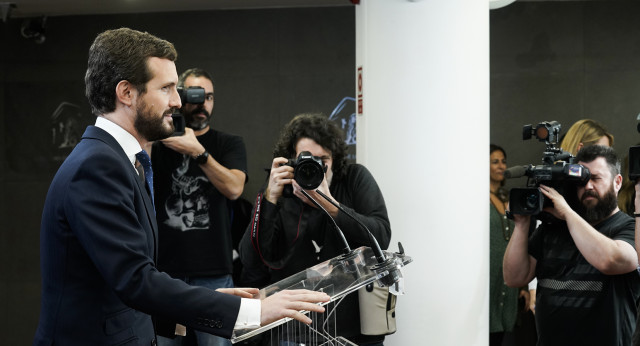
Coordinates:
337 277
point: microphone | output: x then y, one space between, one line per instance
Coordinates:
384 263
347 249
380 257
515 172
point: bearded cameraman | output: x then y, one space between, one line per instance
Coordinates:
587 283
198 175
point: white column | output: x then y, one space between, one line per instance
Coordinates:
424 134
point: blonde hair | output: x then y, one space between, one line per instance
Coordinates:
585 131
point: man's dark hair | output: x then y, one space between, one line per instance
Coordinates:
117 55
196 72
592 152
320 129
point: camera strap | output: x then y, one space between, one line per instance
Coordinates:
255 230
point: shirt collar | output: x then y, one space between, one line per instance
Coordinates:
126 140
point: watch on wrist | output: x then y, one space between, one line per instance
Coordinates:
202 158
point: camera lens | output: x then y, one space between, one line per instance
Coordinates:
309 174
525 201
532 201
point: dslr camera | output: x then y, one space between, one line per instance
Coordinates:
558 170
193 95
308 172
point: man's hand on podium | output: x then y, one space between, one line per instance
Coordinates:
289 303
242 292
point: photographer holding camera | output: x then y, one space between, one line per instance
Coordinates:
288 233
585 260
197 175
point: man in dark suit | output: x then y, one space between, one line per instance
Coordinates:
98 235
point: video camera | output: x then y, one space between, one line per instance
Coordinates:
193 95
634 158
308 172
634 163
558 170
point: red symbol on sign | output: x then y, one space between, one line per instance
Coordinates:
360 90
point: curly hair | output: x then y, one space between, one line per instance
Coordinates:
320 129
117 55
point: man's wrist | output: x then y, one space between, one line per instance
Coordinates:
249 314
202 158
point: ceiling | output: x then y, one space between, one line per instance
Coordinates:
38 8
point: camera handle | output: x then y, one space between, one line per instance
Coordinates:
508 214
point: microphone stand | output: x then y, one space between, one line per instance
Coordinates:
380 257
384 264
347 248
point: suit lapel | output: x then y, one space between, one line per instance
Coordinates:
93 132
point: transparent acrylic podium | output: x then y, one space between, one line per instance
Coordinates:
337 277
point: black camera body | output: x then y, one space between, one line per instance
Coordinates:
564 177
559 171
308 172
193 95
634 162
178 124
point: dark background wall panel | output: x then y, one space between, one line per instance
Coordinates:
536 37
614 35
20 274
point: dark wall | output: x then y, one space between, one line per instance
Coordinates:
564 61
268 65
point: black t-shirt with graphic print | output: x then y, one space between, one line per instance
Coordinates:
194 218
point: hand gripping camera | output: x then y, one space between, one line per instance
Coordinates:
558 170
193 95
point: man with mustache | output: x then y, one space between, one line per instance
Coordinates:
585 261
198 175
98 237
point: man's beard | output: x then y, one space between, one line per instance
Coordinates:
603 208
194 122
149 125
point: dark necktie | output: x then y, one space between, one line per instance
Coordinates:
145 161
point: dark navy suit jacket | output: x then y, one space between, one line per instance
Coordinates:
98 244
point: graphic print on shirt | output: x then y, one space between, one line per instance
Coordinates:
188 205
